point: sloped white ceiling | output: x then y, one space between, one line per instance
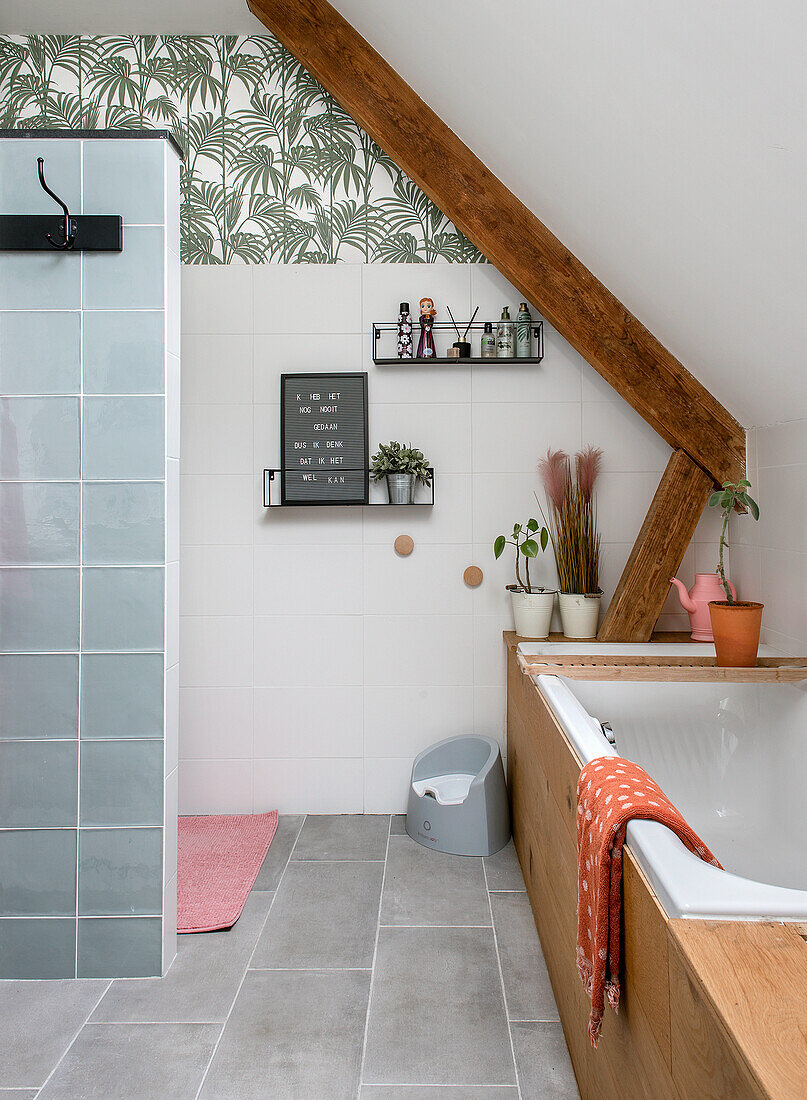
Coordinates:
664 143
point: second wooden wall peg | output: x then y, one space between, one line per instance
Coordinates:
404 545
473 576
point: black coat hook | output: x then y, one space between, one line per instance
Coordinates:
69 230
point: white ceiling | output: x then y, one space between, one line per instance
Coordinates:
665 143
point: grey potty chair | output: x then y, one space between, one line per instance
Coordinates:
458 797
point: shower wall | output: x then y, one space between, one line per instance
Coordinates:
89 548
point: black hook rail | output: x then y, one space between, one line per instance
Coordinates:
65 232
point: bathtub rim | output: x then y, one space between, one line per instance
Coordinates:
685 886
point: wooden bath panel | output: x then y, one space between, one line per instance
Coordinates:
708 1009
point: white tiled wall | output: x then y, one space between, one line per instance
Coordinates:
315 662
769 558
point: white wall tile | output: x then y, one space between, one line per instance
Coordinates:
402 721
172 582
628 442
557 378
170 817
266 429
489 652
441 383
413 650
303 650
442 432
490 712
217 509
172 509
784 592
447 521
305 526
386 785
427 582
307 298
216 651
622 502
171 718
301 353
215 787
216 369
309 722
309 786
385 286
217 580
782 444
215 723
781 496
217 298
308 580
217 439
491 291
511 437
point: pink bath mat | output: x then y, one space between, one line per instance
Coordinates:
218 860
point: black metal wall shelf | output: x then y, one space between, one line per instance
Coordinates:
269 479
439 327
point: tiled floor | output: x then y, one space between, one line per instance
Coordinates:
363 967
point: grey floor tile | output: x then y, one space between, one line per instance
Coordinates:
425 887
288 828
503 870
292 1034
343 836
134 1062
397 825
18 1094
427 1092
202 982
544 1067
426 979
527 988
40 1020
324 916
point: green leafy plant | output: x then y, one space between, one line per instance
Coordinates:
732 496
528 539
394 458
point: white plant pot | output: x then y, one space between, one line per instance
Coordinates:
579 615
532 612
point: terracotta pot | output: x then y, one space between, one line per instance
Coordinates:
736 630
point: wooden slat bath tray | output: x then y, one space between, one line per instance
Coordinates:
685 669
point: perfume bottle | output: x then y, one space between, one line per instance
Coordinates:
504 336
523 332
404 332
488 348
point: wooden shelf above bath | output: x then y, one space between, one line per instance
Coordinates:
684 669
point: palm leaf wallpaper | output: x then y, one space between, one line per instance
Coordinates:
274 172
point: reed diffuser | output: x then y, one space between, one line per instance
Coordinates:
572 524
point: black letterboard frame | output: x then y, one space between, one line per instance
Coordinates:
329 409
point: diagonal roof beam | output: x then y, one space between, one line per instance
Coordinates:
584 311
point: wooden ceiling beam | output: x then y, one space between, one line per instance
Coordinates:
573 300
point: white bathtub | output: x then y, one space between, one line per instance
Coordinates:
733 759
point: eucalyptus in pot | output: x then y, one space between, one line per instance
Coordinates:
532 607
575 538
735 623
402 467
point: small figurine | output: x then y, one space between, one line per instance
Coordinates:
426 348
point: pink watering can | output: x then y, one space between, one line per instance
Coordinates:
707 587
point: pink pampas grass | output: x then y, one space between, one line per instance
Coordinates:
589 462
554 470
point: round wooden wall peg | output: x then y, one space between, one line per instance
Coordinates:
473 576
404 545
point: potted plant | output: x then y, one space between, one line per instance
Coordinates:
402 467
575 540
735 623
532 607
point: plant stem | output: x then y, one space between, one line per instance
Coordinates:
720 567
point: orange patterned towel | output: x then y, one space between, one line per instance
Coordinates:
611 791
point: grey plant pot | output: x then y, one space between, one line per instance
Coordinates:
401 488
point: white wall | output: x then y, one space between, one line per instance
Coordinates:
769 558
315 662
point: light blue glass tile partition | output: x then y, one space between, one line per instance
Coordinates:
87 720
